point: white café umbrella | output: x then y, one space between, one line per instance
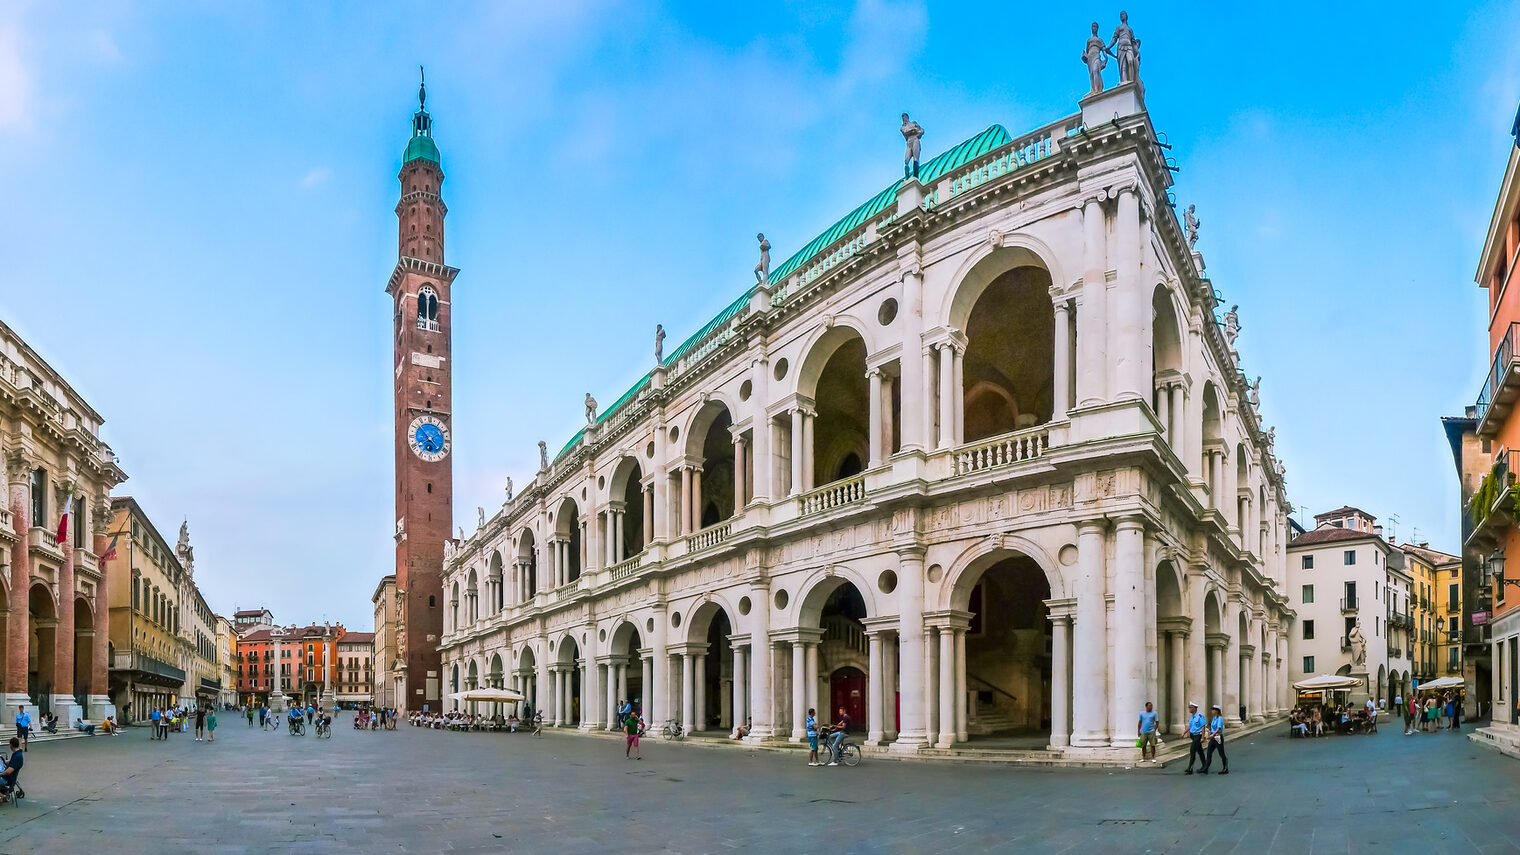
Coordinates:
488 695
1444 683
1326 682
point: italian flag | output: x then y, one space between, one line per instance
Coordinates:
63 522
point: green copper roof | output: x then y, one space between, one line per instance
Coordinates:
928 173
421 148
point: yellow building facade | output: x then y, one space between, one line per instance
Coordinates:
1436 604
147 668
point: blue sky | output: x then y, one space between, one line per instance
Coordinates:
200 222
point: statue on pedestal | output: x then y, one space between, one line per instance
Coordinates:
659 332
763 269
1190 223
543 455
1255 395
1126 48
509 488
1231 327
912 132
480 517
1095 56
1358 645
590 409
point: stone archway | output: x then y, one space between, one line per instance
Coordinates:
42 614
707 669
1007 643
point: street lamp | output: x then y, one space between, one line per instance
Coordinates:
1495 564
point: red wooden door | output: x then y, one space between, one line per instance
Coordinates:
847 688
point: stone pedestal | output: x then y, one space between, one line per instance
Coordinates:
1123 100
328 701
101 708
277 702
67 709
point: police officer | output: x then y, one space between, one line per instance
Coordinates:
1195 736
1216 743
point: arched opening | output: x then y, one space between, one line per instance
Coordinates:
1213 444
710 628
84 643
1009 368
454 682
1168 390
454 608
567 709
495 590
841 434
1008 653
628 667
1213 619
526 681
628 489
1386 700
494 676
711 489
844 656
1244 664
527 558
43 618
568 528
1171 632
471 600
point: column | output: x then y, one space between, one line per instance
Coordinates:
910 576
947 691
686 521
957 396
762 701
100 697
589 693
1128 684
1230 492
799 693
1062 386
763 457
797 439
931 684
659 681
889 685
646 684
1131 310
1092 319
699 675
17 631
1177 432
915 405
1164 411
874 432
1216 675
618 552
961 713
64 704
659 484
1216 481
874 679
557 694
1175 683
648 514
696 498
810 649
688 693
741 690
1090 645
740 472
808 417
1247 665
1060 681
609 694
1231 626
946 394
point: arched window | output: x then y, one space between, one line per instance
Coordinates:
427 309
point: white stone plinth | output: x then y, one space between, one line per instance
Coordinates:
1116 103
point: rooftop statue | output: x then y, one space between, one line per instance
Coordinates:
509 488
1126 48
590 409
659 342
1190 223
912 132
1231 327
480 517
763 269
1256 393
461 532
1095 55
543 455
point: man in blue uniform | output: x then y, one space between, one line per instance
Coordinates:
1195 737
1216 743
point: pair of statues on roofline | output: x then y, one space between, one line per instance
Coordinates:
1124 47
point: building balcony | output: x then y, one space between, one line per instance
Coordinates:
1345 643
1492 507
1502 386
1348 605
1396 652
145 669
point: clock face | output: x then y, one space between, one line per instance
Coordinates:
429 438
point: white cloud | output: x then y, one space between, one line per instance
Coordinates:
15 82
316 176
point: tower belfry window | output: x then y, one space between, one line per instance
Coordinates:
427 309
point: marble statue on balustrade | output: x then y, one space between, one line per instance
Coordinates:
913 134
763 269
1231 327
543 456
590 409
1255 394
480 517
659 330
1358 644
1271 438
1126 49
461 533
1191 224
448 549
509 488
1095 57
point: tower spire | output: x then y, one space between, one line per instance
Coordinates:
422 89
421 145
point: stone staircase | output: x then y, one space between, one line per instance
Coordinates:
45 737
1503 738
987 720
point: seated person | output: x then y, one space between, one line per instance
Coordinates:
110 725
11 770
742 730
79 724
50 722
512 723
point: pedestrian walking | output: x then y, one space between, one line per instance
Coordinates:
263 713
211 726
812 738
1456 714
249 713
1146 730
1216 743
23 724
631 729
1195 736
153 716
200 724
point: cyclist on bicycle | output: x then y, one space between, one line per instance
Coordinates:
837 736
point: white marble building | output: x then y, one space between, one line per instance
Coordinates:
977 460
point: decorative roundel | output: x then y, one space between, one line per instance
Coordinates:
429 438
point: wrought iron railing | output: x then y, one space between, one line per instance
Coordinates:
1504 354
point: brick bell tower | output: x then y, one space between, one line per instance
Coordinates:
420 289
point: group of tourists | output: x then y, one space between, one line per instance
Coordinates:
383 718
467 721
1432 714
176 719
1318 719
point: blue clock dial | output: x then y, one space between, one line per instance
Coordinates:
429 438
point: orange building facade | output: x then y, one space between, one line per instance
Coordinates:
301 658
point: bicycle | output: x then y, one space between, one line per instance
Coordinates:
297 727
673 730
324 729
847 752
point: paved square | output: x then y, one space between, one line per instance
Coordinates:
428 791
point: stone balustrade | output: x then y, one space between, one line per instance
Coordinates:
625 568
710 536
1026 444
829 496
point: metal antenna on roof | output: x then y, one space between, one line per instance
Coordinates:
1393 527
